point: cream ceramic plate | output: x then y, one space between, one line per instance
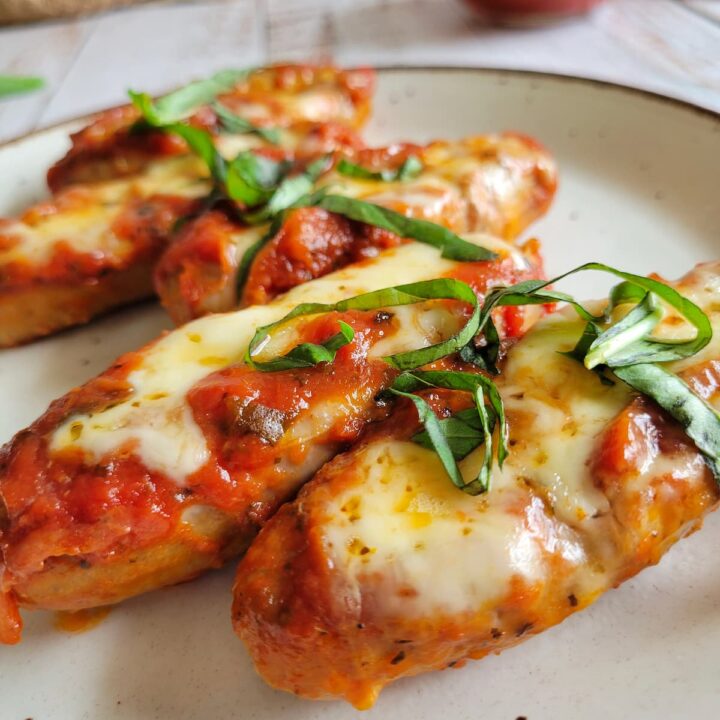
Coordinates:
640 177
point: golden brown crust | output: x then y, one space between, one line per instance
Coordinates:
73 583
38 310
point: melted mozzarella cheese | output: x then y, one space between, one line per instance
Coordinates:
421 540
408 542
156 420
86 227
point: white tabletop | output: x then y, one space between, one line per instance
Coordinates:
670 46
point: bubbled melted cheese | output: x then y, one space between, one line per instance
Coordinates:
156 419
409 543
86 226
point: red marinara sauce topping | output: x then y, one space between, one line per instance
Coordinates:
311 243
59 504
249 417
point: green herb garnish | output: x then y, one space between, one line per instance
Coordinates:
451 245
410 169
266 191
178 105
627 348
17 85
291 191
310 354
235 125
463 432
442 288
487 415
699 420
253 179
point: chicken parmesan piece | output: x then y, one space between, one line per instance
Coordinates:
121 190
382 569
279 96
170 461
496 183
93 247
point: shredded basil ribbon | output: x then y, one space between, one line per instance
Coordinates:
442 288
16 85
451 245
290 192
199 141
252 179
627 347
235 125
267 190
177 105
310 354
534 292
437 432
699 420
169 111
410 169
463 432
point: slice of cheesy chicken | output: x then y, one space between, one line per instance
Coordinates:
278 96
490 183
93 246
383 569
169 462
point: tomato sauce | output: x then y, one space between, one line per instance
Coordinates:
110 148
245 414
311 243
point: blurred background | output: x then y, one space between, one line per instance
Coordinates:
90 51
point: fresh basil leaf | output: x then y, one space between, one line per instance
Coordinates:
622 342
477 385
453 246
410 169
648 350
463 432
251 253
17 85
699 420
236 125
310 354
291 192
436 437
442 288
473 355
201 143
146 105
252 179
623 293
464 381
177 105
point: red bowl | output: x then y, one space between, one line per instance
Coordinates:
536 9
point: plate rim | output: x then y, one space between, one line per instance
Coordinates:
682 104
